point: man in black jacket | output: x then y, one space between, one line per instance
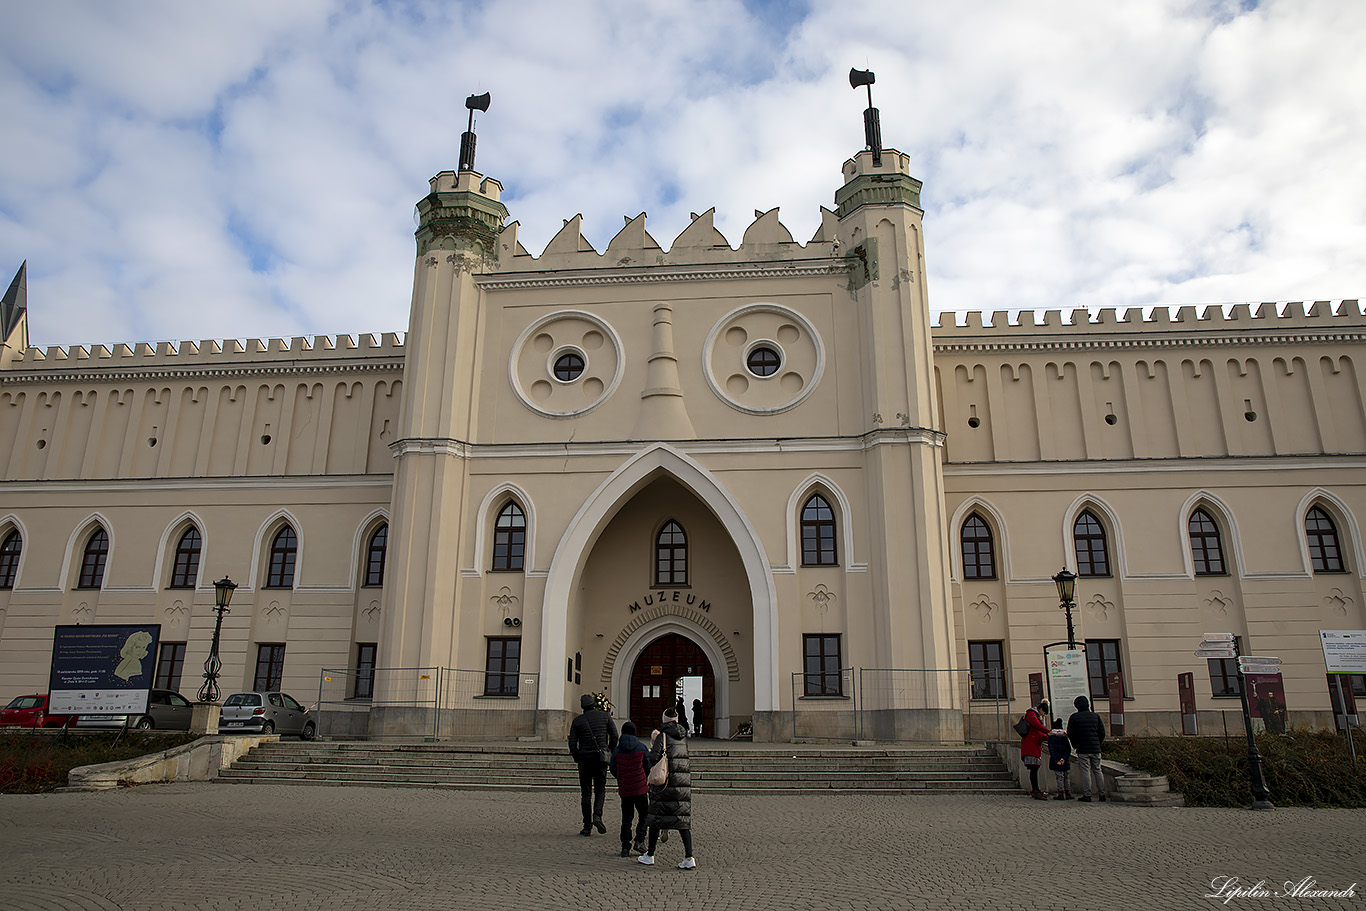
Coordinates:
591 733
1087 733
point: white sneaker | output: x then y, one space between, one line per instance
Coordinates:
687 864
647 859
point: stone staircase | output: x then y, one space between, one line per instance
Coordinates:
716 767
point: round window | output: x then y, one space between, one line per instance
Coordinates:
569 367
763 361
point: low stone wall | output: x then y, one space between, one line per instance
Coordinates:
1123 783
198 761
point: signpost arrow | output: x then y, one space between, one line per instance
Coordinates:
1203 652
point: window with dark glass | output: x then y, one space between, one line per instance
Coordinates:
374 557
1102 660
10 552
987 668
818 533
509 539
1322 535
1088 538
822 665
671 555
569 366
979 561
365 670
503 666
1223 673
93 560
283 551
763 361
1207 552
170 662
270 667
185 569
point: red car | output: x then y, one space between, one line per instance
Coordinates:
30 712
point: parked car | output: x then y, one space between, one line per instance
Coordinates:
167 710
30 712
266 713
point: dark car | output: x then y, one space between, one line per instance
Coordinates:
30 712
266 713
167 710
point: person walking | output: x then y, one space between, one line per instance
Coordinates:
1087 733
629 769
592 738
697 717
1060 759
682 715
671 802
1031 746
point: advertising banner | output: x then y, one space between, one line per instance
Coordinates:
1266 700
102 670
1066 680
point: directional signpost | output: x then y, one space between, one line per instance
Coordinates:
1225 645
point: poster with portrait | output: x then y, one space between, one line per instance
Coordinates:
102 670
1266 699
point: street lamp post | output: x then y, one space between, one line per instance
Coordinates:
1067 588
222 596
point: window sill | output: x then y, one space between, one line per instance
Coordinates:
1226 696
497 570
820 566
826 698
498 696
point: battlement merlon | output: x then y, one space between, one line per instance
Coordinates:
319 351
1031 327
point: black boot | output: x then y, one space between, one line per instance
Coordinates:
586 830
597 821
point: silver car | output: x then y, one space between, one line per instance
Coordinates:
266 713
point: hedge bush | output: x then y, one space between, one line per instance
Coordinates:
1301 769
32 762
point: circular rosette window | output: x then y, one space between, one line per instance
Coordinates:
566 364
763 359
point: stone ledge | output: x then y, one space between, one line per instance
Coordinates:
198 761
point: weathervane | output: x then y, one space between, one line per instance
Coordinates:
473 103
872 127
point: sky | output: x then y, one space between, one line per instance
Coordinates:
176 170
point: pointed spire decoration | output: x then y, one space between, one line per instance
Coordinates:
14 305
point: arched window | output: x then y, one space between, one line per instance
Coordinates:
10 552
92 563
1322 536
1207 552
374 557
185 570
283 551
979 561
1088 537
671 555
818 532
509 539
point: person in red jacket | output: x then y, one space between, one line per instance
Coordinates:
1031 747
629 769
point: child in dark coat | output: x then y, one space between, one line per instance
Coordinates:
1060 759
629 769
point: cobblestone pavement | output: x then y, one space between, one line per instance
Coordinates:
216 847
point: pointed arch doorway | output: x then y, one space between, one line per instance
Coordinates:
655 675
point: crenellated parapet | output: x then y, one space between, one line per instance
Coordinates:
1242 324
766 240
299 354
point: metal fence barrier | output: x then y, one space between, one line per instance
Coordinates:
932 706
429 702
823 706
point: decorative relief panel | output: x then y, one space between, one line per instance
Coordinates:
566 364
763 359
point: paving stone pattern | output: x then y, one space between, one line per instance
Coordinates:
214 847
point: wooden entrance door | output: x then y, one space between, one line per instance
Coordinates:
653 678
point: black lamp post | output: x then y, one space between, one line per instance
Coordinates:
1067 588
222 596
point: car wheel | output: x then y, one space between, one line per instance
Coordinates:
268 728
145 723
309 732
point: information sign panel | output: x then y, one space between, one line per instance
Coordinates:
1066 680
102 670
1344 650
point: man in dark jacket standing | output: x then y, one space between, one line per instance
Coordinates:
1087 733
592 736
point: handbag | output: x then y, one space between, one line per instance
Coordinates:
659 772
1022 726
604 754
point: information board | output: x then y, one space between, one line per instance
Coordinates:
1344 650
1066 680
102 670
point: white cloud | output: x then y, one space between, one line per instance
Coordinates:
178 171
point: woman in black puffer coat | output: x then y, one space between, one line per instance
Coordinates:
671 803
